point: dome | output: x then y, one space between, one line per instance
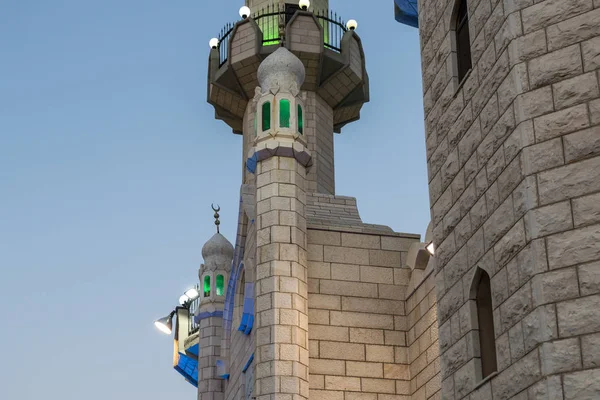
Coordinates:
217 253
279 68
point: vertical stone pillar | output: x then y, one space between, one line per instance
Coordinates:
210 386
279 160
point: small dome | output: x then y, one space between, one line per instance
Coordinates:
279 68
217 253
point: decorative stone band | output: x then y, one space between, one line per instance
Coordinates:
273 148
204 315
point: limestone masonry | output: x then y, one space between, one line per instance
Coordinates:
500 300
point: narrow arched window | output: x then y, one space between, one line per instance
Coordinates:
284 113
255 123
266 116
220 285
207 286
463 42
485 319
300 120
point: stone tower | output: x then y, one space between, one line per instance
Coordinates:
285 79
512 111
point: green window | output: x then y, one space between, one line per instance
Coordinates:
266 116
300 120
220 284
284 113
206 286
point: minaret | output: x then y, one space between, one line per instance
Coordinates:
214 273
286 79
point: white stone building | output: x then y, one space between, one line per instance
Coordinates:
312 302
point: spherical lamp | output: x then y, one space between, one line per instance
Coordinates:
304 4
214 43
352 24
244 12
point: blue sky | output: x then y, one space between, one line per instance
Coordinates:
109 160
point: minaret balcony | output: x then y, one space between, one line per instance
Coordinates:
331 53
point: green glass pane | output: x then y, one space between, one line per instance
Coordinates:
206 286
300 120
266 116
220 285
270 29
284 113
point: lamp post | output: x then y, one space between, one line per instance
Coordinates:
165 324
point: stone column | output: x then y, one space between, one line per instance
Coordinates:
281 160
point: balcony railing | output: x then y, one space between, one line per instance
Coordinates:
272 21
193 307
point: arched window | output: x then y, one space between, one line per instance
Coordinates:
284 113
255 124
220 285
463 42
300 120
207 286
485 321
266 116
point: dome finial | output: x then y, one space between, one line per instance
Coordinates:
216 210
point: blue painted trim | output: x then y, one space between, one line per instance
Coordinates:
204 315
188 368
406 12
248 312
251 163
248 363
221 369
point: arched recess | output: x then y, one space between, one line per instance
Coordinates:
461 43
481 293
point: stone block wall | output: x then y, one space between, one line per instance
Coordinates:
514 175
357 317
422 341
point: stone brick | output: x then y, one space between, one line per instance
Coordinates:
539 326
517 345
569 181
595 111
510 29
498 224
549 388
364 369
348 288
579 316
517 377
542 156
380 353
324 237
327 367
555 66
467 377
560 356
527 47
591 54
362 320
561 122
360 241
374 306
345 272
532 260
450 302
342 383
574 30
363 335
548 220
548 12
586 210
582 144
589 278
555 286
342 351
574 247
510 244
516 307
582 385
575 90
384 258
589 350
538 102
454 358
331 333
345 255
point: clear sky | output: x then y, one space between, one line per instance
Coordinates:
109 160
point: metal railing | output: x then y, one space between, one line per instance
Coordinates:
193 307
272 21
